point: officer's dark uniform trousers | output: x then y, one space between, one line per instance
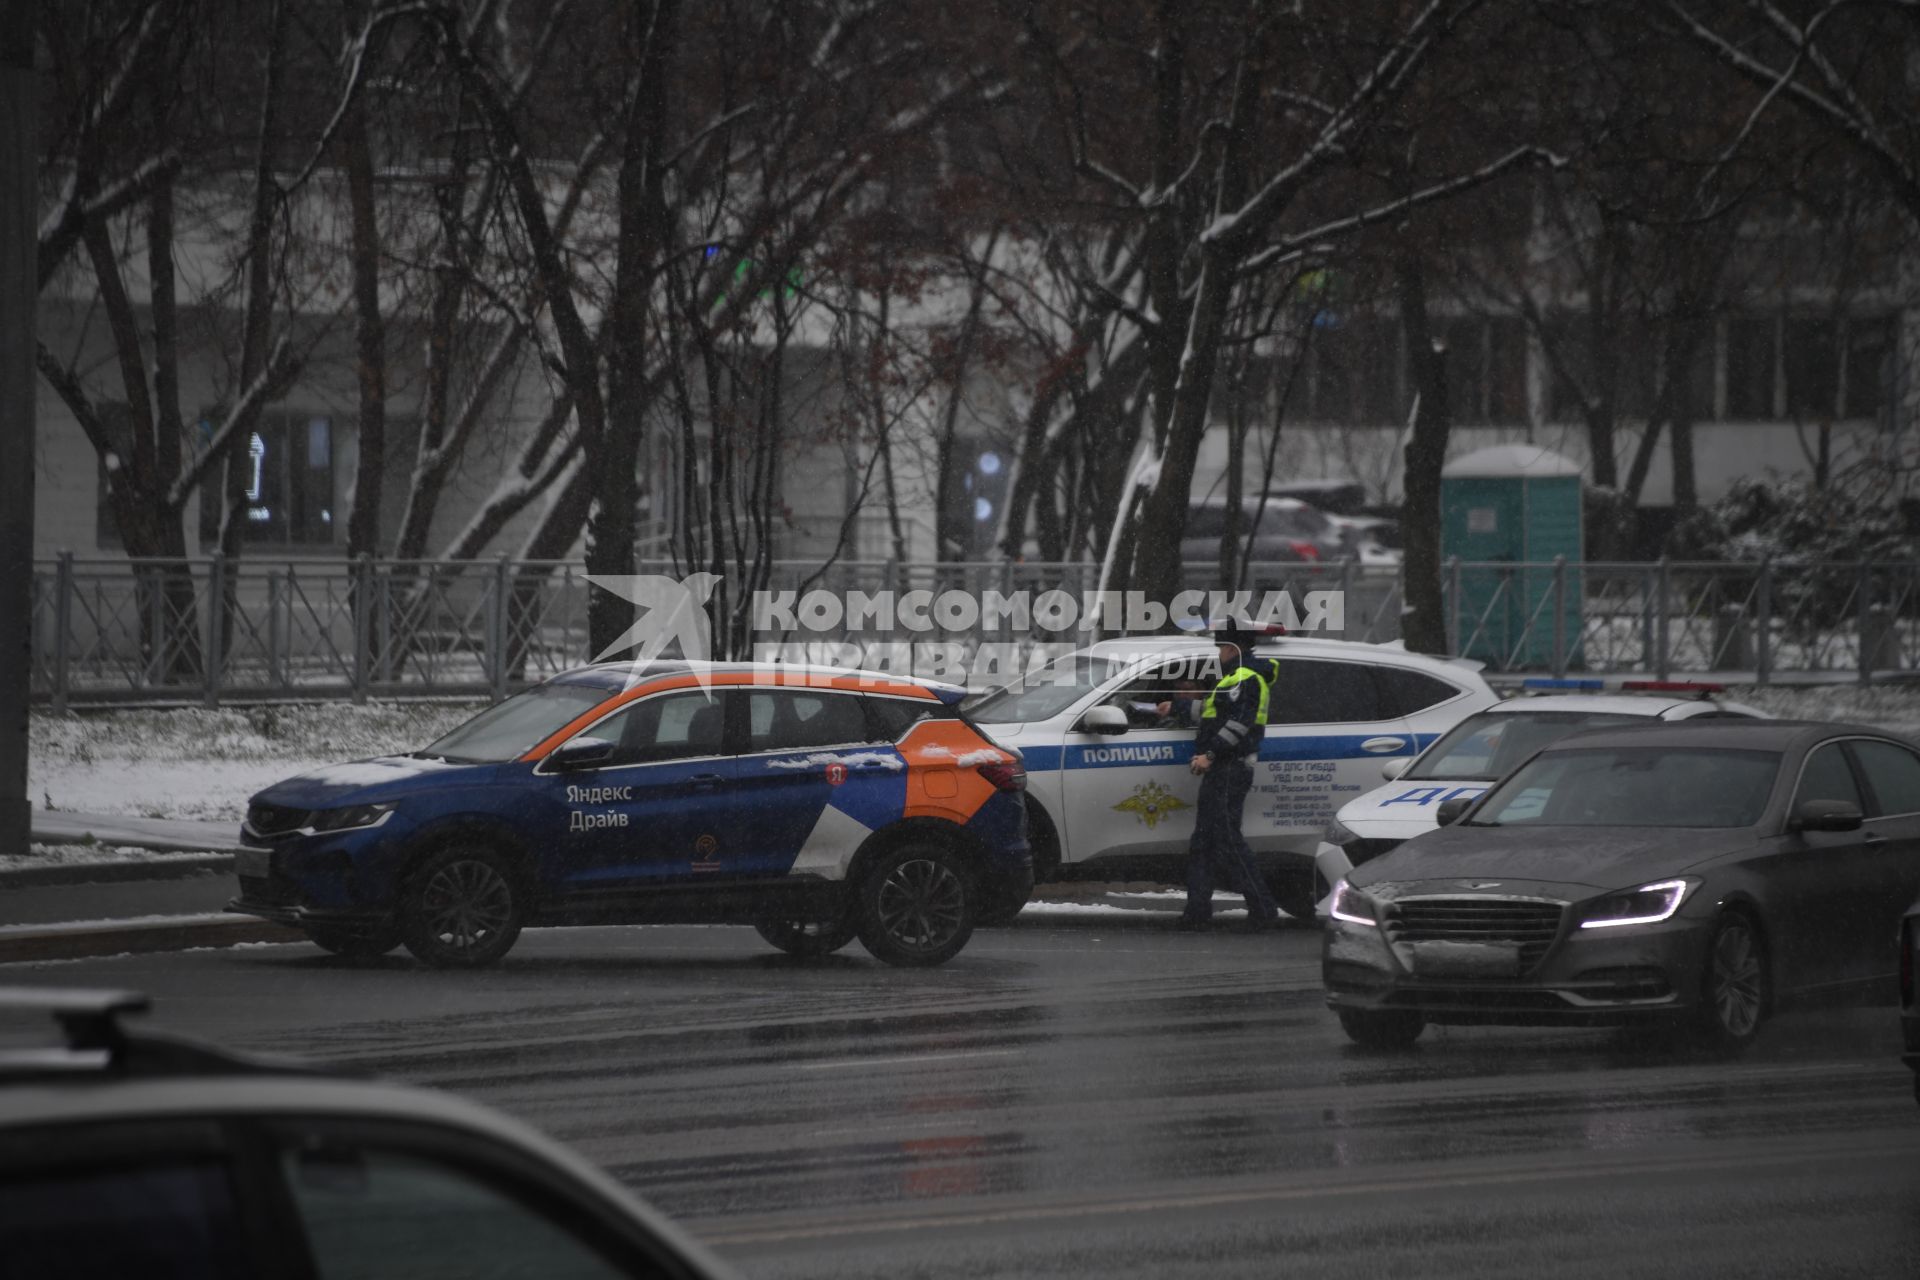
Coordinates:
1218 854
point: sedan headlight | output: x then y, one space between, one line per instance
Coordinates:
1338 833
1352 906
1649 904
351 818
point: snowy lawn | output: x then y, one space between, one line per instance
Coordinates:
195 763
203 764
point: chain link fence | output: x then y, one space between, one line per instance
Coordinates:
205 629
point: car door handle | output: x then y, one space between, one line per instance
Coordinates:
1383 746
1873 837
703 782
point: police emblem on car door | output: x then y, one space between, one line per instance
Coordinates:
1130 794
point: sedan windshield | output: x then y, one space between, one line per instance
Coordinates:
1490 745
516 725
1635 787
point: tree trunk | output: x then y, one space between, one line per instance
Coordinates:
1423 612
370 338
646 231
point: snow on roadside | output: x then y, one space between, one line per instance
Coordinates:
196 763
91 855
203 764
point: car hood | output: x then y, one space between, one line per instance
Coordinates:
364 782
1402 809
1597 857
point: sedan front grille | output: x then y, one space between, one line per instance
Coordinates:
275 819
1531 925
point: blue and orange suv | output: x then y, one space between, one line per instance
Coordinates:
817 805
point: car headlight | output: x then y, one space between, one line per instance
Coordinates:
1338 833
1351 905
1649 904
359 815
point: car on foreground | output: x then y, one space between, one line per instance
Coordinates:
1488 745
1699 876
125 1153
817 805
1107 732
1909 996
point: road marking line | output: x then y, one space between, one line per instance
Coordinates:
908 1058
1122 1204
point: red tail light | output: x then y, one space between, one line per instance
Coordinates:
1306 550
1005 777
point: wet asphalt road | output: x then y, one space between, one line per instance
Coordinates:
1093 1096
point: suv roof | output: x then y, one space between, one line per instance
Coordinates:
1392 653
620 675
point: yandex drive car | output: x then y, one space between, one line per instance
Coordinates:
1106 734
815 804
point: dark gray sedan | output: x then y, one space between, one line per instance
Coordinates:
1701 875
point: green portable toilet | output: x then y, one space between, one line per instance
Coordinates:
1513 504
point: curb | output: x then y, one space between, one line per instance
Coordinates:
133 840
94 938
67 873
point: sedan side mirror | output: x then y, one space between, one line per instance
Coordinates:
580 753
1394 768
1825 815
1451 808
1103 720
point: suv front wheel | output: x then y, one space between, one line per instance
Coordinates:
917 905
463 908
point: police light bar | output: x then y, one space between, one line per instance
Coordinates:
1597 684
1701 687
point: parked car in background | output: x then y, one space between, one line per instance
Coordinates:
133 1154
1287 531
1699 875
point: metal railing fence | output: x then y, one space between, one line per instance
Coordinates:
109 630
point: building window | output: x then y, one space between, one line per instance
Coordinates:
1812 349
1869 368
117 421
288 480
1751 352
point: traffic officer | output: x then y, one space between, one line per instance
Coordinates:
1232 721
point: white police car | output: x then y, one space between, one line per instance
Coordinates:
1484 748
1107 732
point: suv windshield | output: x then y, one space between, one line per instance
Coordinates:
1635 787
1047 692
1490 745
515 726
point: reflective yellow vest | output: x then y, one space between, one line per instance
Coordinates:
1244 672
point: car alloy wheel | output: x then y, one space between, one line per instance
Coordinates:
918 906
1736 993
463 909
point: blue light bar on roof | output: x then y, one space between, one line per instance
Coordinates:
1564 682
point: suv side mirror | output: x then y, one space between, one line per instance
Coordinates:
1394 768
1451 808
1103 720
580 753
1825 815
